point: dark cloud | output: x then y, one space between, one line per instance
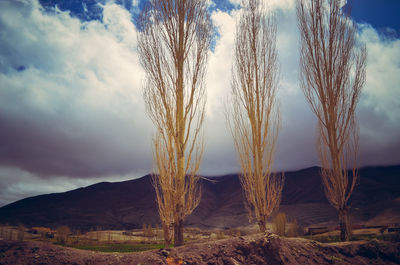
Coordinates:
379 142
59 145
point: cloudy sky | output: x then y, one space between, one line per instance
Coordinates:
71 108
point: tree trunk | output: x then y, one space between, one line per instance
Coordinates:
344 223
167 236
261 225
180 129
178 233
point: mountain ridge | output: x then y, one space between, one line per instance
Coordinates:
131 203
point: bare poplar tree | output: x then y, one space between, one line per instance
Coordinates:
255 120
332 73
173 45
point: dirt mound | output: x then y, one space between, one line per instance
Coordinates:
255 249
259 249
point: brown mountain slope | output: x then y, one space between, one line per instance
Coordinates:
129 204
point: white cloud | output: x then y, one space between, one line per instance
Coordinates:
219 157
379 108
220 62
78 88
378 111
280 4
17 184
273 4
296 116
382 89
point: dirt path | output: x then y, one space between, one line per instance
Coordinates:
255 249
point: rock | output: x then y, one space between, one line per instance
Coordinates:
165 253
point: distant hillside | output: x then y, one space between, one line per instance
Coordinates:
129 204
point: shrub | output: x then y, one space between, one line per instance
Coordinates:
21 233
279 224
294 230
148 231
62 234
220 235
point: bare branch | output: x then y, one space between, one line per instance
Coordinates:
254 118
332 73
173 45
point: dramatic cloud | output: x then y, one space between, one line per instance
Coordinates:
379 108
72 114
70 93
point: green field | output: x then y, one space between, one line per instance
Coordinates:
113 247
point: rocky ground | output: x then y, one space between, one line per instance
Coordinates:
254 249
